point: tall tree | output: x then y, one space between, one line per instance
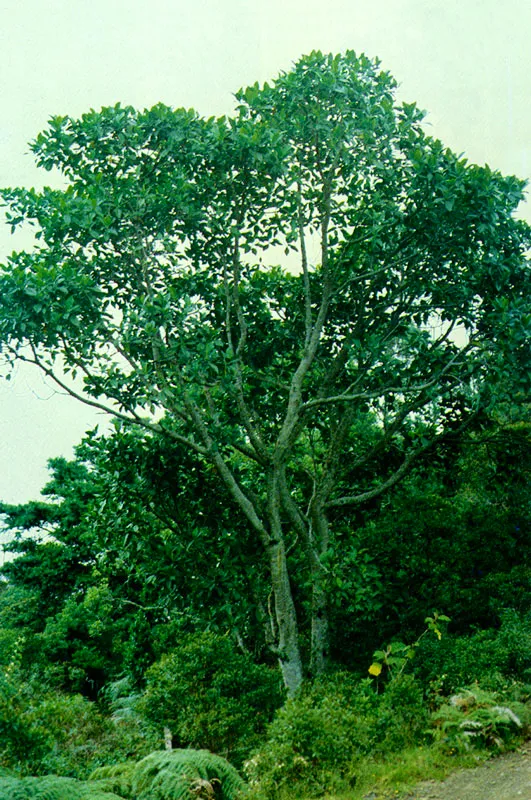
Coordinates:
401 299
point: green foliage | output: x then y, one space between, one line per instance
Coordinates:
317 739
475 718
183 774
494 658
211 695
397 656
51 732
22 742
115 778
50 787
79 737
165 775
263 412
458 529
93 601
156 282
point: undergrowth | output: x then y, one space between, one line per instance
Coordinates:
420 712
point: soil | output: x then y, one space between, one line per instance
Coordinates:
504 778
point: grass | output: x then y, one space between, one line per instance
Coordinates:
393 777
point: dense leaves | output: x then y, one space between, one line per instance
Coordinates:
210 695
305 298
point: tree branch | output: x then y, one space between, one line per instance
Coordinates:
231 299
355 499
305 275
228 477
133 419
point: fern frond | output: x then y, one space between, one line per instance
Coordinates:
50 787
115 778
185 775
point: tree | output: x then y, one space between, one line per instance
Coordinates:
399 306
115 561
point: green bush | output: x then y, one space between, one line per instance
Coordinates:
117 778
317 738
22 742
181 774
402 716
51 732
494 658
79 738
166 775
211 696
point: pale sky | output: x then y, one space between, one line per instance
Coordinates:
467 62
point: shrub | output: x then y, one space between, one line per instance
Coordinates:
51 732
22 742
50 787
167 775
317 738
402 716
115 778
211 696
80 738
494 658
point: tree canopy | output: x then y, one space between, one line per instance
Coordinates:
306 296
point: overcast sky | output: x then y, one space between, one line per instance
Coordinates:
467 62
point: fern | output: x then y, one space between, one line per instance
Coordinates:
164 775
474 718
185 775
50 787
115 778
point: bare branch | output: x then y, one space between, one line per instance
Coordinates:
402 470
228 477
305 275
398 390
293 412
297 518
232 299
355 499
133 418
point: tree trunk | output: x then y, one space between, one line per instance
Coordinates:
320 633
286 619
168 739
320 629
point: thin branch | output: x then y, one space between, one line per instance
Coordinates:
305 275
402 469
228 477
133 419
297 518
293 412
233 300
141 607
355 499
403 390
332 460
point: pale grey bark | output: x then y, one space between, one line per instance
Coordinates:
286 620
320 633
168 739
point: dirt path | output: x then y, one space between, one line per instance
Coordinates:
505 778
